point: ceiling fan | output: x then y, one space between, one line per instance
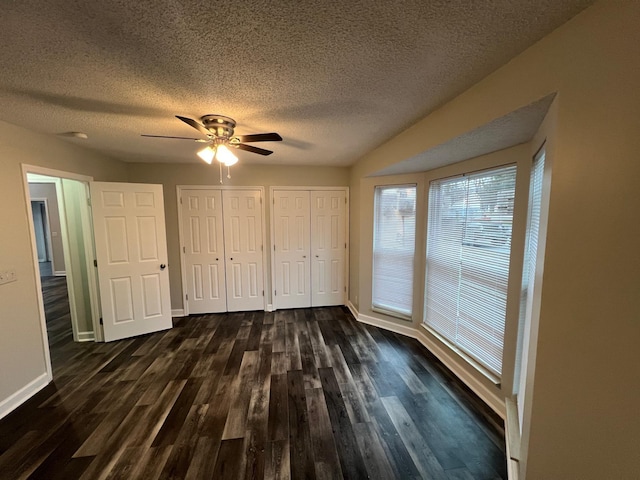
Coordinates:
219 131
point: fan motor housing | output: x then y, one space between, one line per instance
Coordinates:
219 125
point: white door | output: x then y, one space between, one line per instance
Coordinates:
328 247
292 229
203 250
131 251
243 249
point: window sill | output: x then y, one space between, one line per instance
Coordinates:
390 313
493 378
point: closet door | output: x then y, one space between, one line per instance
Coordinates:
243 249
202 228
328 247
292 229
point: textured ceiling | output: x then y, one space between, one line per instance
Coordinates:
335 78
513 129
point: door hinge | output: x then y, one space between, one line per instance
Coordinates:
345 244
186 297
275 292
180 200
101 322
345 289
263 293
274 248
95 263
184 249
89 201
262 248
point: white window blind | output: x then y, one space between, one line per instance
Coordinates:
529 274
468 250
393 248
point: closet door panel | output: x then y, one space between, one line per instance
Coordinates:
202 228
328 247
243 249
292 262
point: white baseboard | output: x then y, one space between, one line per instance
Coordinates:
9 404
86 337
177 312
406 330
352 309
59 273
491 399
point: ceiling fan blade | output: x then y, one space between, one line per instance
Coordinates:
252 149
178 138
259 137
192 123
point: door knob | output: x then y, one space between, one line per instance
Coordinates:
162 266
304 256
216 259
317 256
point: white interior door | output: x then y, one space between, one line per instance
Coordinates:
131 251
243 249
292 229
328 247
203 249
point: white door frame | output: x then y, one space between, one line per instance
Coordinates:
88 238
181 235
272 191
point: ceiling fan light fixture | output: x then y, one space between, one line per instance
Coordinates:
226 156
207 154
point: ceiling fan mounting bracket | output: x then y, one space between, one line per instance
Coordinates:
219 125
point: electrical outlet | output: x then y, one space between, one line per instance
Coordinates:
8 276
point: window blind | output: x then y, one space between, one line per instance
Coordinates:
468 248
393 248
529 269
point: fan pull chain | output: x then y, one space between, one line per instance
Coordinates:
220 173
228 172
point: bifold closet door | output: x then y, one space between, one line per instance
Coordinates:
202 227
292 248
328 247
243 249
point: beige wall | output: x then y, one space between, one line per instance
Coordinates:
48 191
242 174
583 421
21 346
74 194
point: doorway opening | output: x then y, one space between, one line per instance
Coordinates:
63 248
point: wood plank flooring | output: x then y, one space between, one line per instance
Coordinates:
305 393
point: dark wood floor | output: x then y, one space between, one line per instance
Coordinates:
307 393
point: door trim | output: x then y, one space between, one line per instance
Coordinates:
181 236
272 253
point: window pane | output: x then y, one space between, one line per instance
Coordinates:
468 249
528 277
393 248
